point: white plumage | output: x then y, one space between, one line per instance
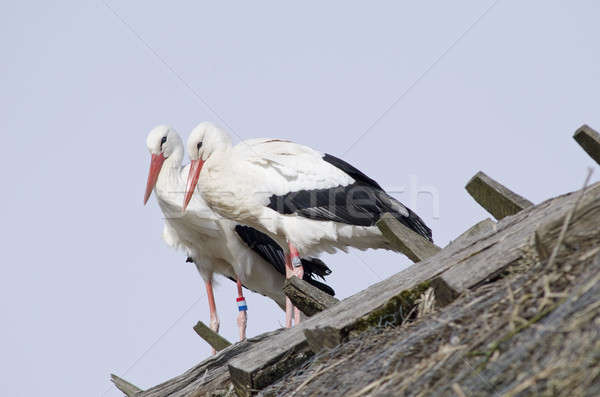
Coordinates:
246 182
214 243
205 236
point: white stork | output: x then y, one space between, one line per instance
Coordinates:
215 244
307 201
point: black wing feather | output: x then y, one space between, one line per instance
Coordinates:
361 203
349 169
271 252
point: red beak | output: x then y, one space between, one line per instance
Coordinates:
155 166
194 174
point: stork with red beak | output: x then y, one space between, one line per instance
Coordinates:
215 244
308 202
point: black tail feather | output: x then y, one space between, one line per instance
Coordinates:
387 203
271 252
322 286
414 222
315 266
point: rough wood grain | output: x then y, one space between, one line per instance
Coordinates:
476 232
215 340
386 302
310 300
589 140
246 383
451 345
127 388
463 275
494 197
258 364
210 377
411 244
444 293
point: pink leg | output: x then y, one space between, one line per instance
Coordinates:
297 268
242 319
296 315
293 268
288 303
298 271
288 312
214 319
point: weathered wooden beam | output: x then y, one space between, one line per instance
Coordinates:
127 388
388 302
540 247
495 198
393 311
452 282
464 276
444 293
309 299
475 232
411 244
271 366
215 340
210 377
589 140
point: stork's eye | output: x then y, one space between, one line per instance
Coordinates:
199 145
163 140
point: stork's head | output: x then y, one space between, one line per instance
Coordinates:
163 142
204 141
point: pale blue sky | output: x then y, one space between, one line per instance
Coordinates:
88 286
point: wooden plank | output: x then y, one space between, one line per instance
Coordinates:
215 340
127 388
464 276
309 299
540 247
495 198
411 244
476 232
453 345
386 302
379 313
210 377
589 140
272 366
444 292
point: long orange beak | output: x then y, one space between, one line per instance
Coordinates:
155 166
195 168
